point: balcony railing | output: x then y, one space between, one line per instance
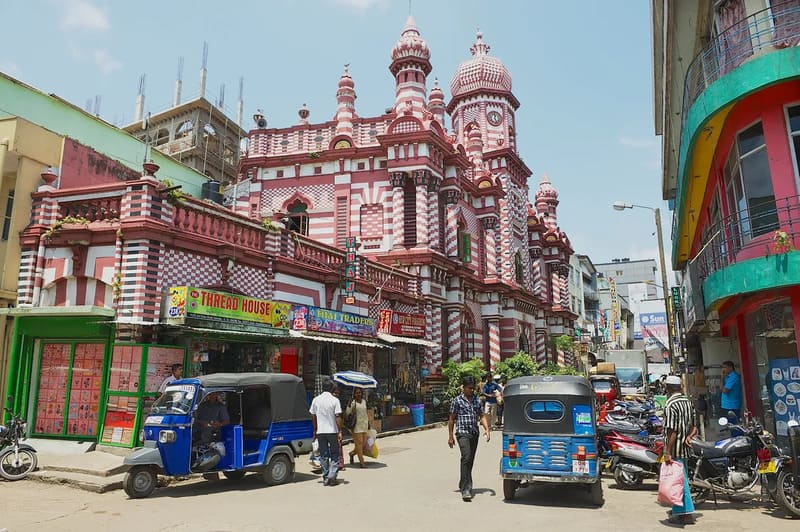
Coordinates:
769 29
745 236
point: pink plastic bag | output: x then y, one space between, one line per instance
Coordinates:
670 484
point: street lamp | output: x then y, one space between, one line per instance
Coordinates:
621 206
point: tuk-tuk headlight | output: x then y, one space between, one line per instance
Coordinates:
166 436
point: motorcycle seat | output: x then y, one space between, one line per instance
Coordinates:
707 449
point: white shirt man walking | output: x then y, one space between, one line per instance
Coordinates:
326 417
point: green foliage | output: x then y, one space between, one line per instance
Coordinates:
564 343
271 226
58 224
174 196
551 368
455 371
520 365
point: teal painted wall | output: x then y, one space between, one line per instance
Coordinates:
63 118
762 273
755 74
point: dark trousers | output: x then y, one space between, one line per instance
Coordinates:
468 444
329 455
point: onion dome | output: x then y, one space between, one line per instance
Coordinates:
411 46
346 82
481 72
546 190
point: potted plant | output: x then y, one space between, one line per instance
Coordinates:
782 242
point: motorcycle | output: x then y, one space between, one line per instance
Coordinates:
633 461
781 472
17 460
729 466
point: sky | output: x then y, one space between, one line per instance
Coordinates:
581 70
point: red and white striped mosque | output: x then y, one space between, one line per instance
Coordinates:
448 206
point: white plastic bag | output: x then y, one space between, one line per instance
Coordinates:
372 435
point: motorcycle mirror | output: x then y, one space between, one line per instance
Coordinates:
723 421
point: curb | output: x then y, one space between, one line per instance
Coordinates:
405 430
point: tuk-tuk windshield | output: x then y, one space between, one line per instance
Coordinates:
175 400
602 386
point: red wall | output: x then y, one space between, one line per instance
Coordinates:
767 106
83 167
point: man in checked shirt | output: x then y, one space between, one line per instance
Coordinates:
465 413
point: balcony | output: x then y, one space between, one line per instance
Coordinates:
764 232
774 28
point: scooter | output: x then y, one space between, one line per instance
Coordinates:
632 462
781 471
17 460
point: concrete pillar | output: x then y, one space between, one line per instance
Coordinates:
421 178
397 179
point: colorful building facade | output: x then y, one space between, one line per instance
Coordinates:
447 204
729 113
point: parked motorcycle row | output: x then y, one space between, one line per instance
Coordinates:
17 460
632 444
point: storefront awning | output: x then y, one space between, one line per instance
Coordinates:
279 333
392 339
333 339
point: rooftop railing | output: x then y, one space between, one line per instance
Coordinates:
770 29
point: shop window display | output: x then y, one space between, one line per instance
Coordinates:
772 342
70 382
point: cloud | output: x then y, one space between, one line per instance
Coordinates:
10 68
105 62
361 5
629 142
82 15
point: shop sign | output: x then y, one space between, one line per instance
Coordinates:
186 301
401 323
316 319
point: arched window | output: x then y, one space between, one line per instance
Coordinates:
162 137
297 220
184 130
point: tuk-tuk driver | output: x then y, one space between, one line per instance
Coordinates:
211 415
465 414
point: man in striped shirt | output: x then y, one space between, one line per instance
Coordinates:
680 426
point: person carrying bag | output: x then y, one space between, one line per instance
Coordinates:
357 422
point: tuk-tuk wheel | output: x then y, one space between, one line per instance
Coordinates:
510 488
596 492
140 481
234 475
279 470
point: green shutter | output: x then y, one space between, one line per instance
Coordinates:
466 247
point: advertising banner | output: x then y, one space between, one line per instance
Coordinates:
653 324
316 319
401 323
186 301
784 390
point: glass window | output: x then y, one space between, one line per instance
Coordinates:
174 400
748 186
793 118
7 217
297 220
544 410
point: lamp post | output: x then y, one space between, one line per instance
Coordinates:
621 206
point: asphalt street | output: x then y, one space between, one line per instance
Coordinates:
411 486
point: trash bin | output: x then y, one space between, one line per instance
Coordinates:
417 414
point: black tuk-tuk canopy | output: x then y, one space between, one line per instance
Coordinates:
287 395
567 390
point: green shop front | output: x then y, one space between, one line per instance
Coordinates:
72 382
227 332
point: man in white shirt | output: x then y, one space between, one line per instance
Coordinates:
175 374
326 417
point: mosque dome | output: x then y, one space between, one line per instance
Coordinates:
482 71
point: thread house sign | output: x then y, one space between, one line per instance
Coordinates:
189 302
401 323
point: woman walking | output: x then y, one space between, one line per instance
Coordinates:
358 408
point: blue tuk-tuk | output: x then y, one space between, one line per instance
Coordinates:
268 426
549 434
